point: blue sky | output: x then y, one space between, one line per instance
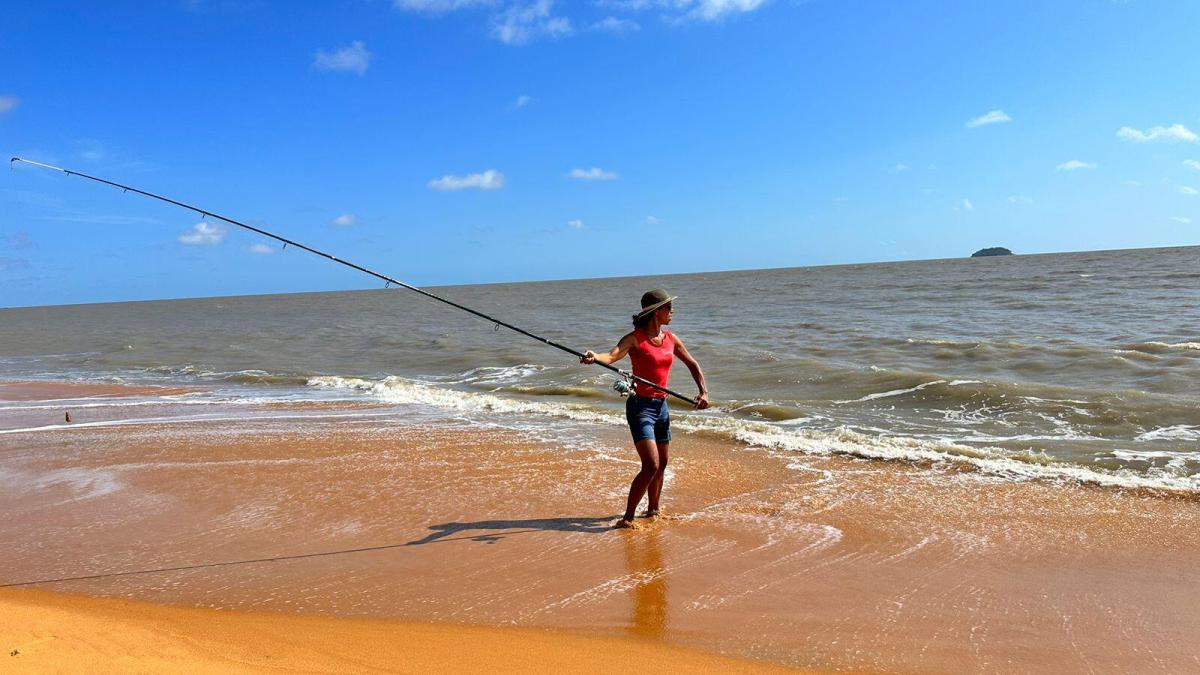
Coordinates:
464 141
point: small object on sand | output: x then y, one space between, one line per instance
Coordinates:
13 653
68 417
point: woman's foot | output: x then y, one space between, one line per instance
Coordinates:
626 524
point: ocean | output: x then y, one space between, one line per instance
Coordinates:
1074 367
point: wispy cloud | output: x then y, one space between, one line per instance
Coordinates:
577 224
520 23
8 103
1188 190
488 180
17 241
203 234
611 24
1020 199
594 173
439 6
520 102
991 117
262 249
1075 165
713 10
965 205
13 264
900 167
1176 133
653 220
1192 164
92 151
1182 219
354 59
346 220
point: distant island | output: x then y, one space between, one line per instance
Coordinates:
995 250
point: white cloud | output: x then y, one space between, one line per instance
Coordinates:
203 234
965 205
354 58
612 24
522 22
900 167
521 101
712 10
1134 183
1182 219
262 249
346 220
1074 165
439 6
652 220
8 103
1020 199
488 180
1186 190
577 224
1192 164
1171 134
991 117
594 173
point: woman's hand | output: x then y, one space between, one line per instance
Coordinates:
588 357
702 401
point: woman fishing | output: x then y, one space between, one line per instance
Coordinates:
651 349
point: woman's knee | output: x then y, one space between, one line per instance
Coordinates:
652 464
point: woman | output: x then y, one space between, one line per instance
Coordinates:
652 349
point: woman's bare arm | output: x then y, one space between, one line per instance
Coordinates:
694 366
615 354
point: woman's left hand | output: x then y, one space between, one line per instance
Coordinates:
702 401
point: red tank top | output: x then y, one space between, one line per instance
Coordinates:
652 362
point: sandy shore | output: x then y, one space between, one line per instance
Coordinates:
46 632
814 562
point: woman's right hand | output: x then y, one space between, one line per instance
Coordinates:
588 357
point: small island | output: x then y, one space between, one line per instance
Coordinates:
995 250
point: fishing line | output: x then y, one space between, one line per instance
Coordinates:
621 386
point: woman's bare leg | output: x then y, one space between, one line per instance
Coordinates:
648 452
655 489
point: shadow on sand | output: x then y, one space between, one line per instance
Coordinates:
488 528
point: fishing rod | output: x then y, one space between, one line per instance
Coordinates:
388 281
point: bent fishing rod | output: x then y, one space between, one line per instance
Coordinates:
388 281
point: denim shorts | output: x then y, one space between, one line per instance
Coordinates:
648 418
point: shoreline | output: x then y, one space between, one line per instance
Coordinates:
821 562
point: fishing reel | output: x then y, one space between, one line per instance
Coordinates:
624 386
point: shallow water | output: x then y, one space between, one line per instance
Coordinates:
1077 367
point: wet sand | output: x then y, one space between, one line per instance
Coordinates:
818 562
43 632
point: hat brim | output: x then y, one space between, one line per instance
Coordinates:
655 307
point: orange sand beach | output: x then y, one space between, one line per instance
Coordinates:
41 632
349 519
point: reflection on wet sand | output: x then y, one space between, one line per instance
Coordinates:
644 563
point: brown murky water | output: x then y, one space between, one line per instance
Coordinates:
830 562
